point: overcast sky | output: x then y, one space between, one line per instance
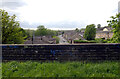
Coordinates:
61 14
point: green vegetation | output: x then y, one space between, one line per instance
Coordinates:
100 40
29 32
90 32
42 31
99 26
0 70
84 41
12 33
115 24
57 39
57 69
82 29
77 30
97 40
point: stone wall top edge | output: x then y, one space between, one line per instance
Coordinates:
60 44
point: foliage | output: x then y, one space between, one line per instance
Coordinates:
57 39
29 32
42 31
99 26
0 28
25 34
97 40
63 32
84 41
82 29
0 70
11 32
63 69
90 32
77 30
100 40
115 23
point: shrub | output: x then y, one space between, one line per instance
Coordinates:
100 40
84 41
57 39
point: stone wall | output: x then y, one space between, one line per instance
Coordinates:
88 52
105 35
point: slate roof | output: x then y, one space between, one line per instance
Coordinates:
101 29
41 40
72 35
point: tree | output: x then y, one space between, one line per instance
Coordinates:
42 31
12 33
77 30
115 24
82 30
29 32
99 26
90 32
25 34
0 28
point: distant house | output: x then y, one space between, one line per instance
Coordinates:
41 40
72 35
104 32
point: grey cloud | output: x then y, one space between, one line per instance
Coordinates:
63 24
12 4
25 24
66 24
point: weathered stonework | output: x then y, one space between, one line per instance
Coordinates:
83 52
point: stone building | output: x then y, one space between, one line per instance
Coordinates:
72 35
41 40
104 32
